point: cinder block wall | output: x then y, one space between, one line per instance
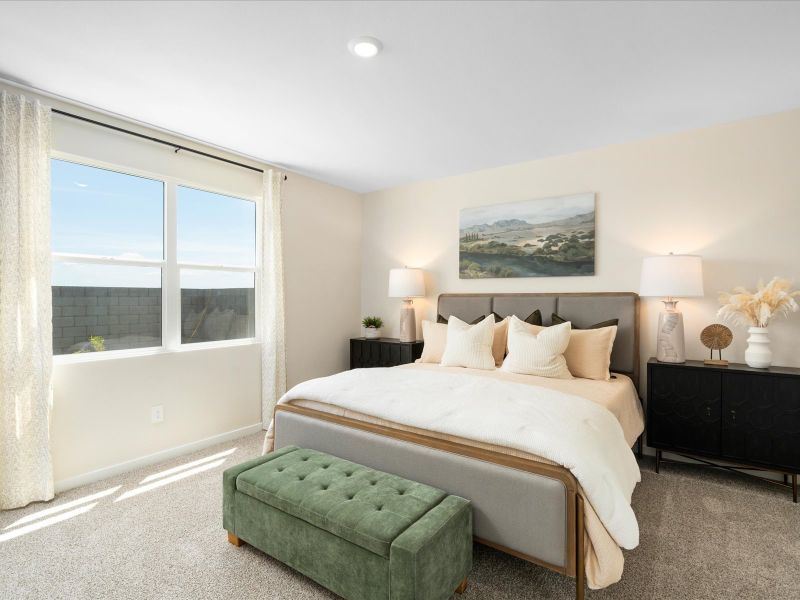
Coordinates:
134 314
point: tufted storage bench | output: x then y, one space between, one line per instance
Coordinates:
361 533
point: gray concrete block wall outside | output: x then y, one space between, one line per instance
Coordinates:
74 311
75 331
86 300
135 314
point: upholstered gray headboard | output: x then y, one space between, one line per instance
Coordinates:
584 310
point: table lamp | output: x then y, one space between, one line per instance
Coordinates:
407 283
670 277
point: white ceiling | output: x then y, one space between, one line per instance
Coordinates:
459 86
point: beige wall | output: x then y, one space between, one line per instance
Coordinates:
729 193
322 257
101 408
101 416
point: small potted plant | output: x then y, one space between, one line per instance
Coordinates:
372 327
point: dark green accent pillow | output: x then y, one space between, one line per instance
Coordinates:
497 319
535 318
557 320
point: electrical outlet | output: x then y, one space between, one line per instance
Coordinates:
157 413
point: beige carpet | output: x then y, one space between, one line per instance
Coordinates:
157 533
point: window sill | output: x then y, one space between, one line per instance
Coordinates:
212 345
68 359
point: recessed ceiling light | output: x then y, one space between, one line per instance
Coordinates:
365 46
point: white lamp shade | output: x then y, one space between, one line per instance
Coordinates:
406 283
673 275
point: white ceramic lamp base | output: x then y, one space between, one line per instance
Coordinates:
670 346
408 322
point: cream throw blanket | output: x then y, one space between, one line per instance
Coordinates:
569 430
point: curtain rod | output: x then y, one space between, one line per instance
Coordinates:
177 147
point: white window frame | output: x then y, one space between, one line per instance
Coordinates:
169 265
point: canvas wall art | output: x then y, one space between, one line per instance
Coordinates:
549 237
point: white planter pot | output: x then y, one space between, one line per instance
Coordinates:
372 332
758 354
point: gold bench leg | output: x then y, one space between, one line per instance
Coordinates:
462 587
234 539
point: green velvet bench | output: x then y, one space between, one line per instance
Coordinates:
361 533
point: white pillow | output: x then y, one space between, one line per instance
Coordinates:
469 345
542 354
435 337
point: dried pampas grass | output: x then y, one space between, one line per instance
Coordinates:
743 307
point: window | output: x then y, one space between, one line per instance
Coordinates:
217 254
108 250
119 284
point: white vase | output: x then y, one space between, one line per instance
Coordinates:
372 332
758 354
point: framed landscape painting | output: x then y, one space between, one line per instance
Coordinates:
549 237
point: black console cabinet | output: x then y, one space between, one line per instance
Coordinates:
748 417
382 352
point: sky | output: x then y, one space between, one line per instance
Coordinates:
532 211
101 212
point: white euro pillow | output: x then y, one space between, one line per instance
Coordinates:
541 354
468 345
434 336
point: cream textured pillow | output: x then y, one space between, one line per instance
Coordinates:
434 336
539 354
500 340
469 345
588 354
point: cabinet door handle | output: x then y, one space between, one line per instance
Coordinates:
733 416
708 411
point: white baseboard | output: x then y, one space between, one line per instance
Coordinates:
151 459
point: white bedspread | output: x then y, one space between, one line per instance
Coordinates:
569 430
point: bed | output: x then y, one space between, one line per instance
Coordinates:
524 503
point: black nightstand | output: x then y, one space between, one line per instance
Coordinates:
382 352
748 417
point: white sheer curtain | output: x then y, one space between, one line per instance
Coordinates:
273 349
26 342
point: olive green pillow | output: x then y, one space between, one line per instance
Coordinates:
497 319
557 320
535 318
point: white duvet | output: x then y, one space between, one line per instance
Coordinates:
569 430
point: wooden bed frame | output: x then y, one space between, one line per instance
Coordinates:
575 517
575 565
